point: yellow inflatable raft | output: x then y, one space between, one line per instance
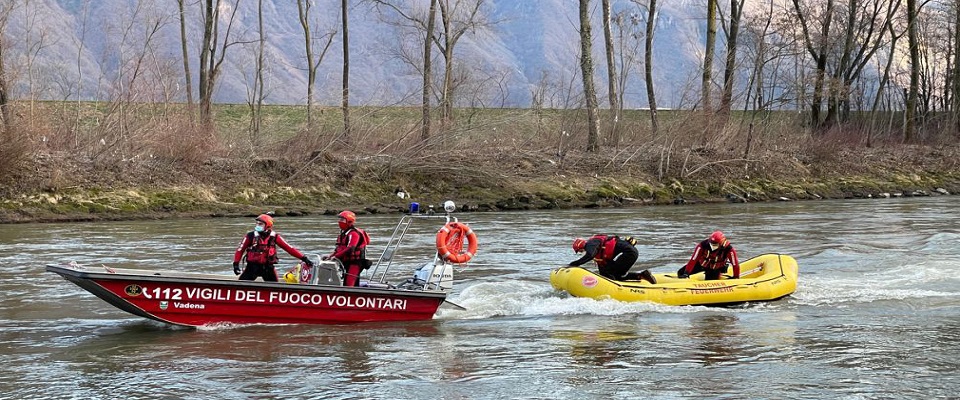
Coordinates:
762 278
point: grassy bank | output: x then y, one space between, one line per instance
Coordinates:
152 164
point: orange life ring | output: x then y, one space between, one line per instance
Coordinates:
450 242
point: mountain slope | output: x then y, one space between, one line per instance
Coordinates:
530 45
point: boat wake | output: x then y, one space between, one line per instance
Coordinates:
528 298
925 279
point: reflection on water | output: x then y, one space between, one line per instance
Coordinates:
876 313
715 338
599 349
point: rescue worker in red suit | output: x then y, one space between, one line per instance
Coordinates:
614 257
711 256
259 248
351 248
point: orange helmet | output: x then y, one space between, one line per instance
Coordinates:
267 221
578 245
347 219
348 215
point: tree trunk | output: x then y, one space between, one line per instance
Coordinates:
313 60
611 75
303 11
648 66
819 55
188 76
427 70
955 104
256 105
726 98
207 47
837 88
910 117
708 54
586 70
346 72
5 115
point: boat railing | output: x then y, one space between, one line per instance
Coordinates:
383 264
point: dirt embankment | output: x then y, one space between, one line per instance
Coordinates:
61 187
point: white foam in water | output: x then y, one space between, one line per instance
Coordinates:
925 279
485 300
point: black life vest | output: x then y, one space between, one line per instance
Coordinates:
262 250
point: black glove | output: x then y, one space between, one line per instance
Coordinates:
306 260
682 273
236 268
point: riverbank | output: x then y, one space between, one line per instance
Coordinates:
62 187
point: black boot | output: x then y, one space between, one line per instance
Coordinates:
647 276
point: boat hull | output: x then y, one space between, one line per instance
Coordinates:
206 299
763 278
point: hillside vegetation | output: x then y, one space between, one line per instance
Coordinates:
151 162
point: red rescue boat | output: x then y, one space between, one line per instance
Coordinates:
308 297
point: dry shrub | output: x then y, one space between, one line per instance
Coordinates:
13 150
304 145
177 143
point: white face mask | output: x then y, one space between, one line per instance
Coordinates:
714 246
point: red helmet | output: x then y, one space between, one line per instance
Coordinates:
347 219
267 221
718 238
578 245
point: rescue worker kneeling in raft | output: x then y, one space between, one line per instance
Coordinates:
259 248
711 257
614 257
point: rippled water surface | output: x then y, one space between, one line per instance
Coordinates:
876 313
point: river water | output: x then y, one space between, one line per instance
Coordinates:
876 313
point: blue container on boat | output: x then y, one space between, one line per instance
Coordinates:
414 207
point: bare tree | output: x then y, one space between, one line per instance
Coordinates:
586 71
913 42
428 70
345 81
457 19
81 43
819 54
733 34
188 76
862 38
611 74
210 59
35 36
955 105
257 94
708 55
6 11
313 59
648 65
425 26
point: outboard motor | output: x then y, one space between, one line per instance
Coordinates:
431 276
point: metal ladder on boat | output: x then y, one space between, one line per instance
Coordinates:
386 257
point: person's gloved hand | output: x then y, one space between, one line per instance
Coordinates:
325 258
236 268
682 273
306 261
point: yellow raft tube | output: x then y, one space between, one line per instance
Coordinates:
763 278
